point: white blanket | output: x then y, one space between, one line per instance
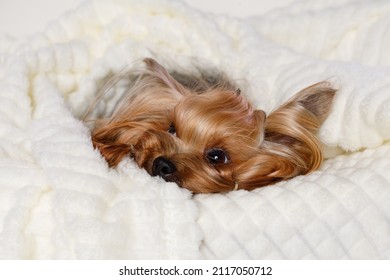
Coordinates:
59 200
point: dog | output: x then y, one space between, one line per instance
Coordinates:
201 133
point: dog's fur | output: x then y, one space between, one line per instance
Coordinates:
201 133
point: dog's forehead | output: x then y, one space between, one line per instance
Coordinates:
202 111
204 120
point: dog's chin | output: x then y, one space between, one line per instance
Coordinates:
146 162
196 181
170 178
199 182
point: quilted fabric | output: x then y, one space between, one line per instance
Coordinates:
340 212
59 199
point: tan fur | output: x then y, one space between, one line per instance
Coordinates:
260 150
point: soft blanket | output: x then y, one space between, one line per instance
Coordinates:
59 200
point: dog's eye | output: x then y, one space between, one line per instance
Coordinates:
172 129
217 156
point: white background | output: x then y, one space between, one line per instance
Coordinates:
19 18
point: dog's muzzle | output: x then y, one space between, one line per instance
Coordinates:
164 168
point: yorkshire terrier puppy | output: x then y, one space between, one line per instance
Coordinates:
201 133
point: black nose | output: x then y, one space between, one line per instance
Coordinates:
164 168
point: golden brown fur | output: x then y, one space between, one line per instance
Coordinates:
206 137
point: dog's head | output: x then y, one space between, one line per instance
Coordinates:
208 138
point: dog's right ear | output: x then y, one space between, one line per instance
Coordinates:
109 140
165 79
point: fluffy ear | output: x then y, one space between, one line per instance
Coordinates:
159 72
316 99
108 140
290 147
303 113
290 130
264 169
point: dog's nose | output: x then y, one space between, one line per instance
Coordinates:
164 168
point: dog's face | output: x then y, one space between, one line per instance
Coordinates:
212 140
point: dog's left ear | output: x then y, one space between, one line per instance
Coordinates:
316 99
306 109
290 147
290 130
